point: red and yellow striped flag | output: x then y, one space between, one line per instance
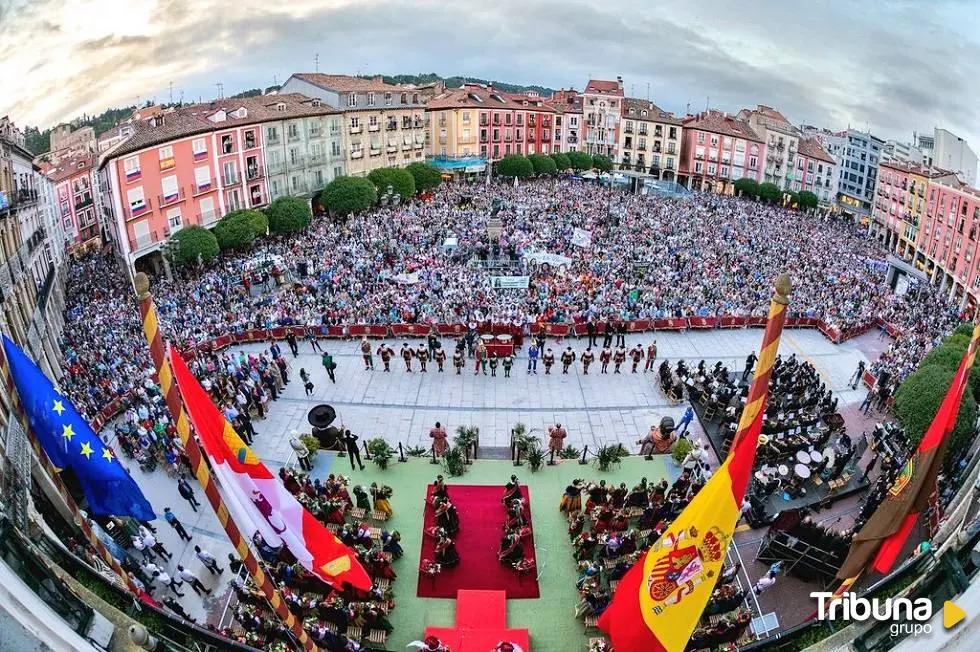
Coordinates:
659 601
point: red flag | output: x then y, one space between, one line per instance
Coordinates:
256 499
885 533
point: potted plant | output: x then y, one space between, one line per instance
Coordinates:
569 452
417 451
381 452
466 440
534 457
312 444
609 455
454 462
681 449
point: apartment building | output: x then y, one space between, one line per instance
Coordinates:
569 125
67 142
782 144
900 204
951 152
479 120
384 125
602 108
946 246
857 154
717 150
649 139
31 256
75 182
197 163
816 172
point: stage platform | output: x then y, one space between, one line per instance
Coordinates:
481 623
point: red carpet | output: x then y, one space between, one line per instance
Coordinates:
481 517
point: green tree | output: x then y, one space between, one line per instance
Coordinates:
561 161
602 163
542 164
515 166
948 356
580 161
808 200
770 192
288 214
965 328
235 231
191 242
346 195
748 187
426 176
917 401
400 180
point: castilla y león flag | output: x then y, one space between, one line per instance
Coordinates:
660 600
255 497
886 532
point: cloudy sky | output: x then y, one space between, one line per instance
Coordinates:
896 65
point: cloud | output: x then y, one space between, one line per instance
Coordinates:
897 65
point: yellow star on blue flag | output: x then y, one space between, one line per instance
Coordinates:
109 489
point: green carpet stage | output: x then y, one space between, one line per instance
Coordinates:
548 618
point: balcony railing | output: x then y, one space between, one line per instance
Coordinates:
140 210
375 151
273 140
207 218
145 241
296 162
355 130
166 200
374 127
230 179
253 172
392 125
201 188
357 153
294 136
83 203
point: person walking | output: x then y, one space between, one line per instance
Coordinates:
185 491
532 358
162 578
308 386
366 354
291 341
329 365
208 560
186 576
765 583
685 421
750 361
301 450
311 336
386 352
175 523
350 442
150 542
858 375
651 357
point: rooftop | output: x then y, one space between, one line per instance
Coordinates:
811 148
634 108
203 118
916 168
71 166
721 123
603 87
486 97
346 83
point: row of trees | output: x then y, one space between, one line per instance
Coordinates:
773 194
522 167
346 195
918 397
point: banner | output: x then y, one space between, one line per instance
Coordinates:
406 279
581 238
544 258
510 282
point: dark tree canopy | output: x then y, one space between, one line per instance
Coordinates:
346 195
235 230
515 166
426 176
193 241
401 181
288 214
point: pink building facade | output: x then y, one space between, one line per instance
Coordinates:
946 245
717 150
75 189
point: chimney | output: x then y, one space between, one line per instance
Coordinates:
379 79
619 83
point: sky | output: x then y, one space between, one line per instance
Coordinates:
892 65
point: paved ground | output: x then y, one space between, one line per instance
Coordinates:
402 407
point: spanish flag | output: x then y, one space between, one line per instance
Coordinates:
886 532
659 602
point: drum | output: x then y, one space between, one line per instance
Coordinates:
802 471
816 457
504 338
487 338
783 470
803 457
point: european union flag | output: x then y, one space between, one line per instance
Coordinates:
71 443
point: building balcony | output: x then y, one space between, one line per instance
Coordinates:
357 153
230 180
295 162
140 210
419 145
85 202
374 127
391 149
375 151
253 172
272 141
392 125
144 242
207 218
628 130
167 200
355 130
294 137
314 133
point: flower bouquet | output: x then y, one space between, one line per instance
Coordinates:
430 568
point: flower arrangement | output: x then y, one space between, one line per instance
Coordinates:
384 492
524 565
430 568
599 645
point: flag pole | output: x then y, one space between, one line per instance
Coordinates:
80 520
175 405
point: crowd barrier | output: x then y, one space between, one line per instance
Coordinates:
556 330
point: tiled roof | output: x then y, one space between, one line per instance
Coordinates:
719 123
810 147
346 83
603 87
916 168
480 97
654 112
192 120
568 107
70 167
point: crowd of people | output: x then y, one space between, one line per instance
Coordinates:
648 257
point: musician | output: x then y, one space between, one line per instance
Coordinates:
386 353
407 354
439 489
651 356
567 358
587 358
493 365
619 357
508 363
481 358
422 354
549 359
512 491
365 353
636 354
458 361
440 357
604 357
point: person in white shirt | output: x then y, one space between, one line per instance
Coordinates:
162 578
208 560
192 579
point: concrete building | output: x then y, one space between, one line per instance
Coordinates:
718 150
114 136
900 204
380 120
857 154
31 256
898 151
816 172
947 240
568 120
75 182
953 153
782 143
649 139
602 110
197 163
66 142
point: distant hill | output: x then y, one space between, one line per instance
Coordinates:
457 81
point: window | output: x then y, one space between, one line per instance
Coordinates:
352 99
202 178
373 121
698 167
227 144
249 139
714 141
370 99
292 131
701 137
753 162
711 169
404 98
174 220
234 200
137 203
169 188
132 167
207 209
255 194
272 136
230 173
355 122
388 99
466 117
166 152
199 147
